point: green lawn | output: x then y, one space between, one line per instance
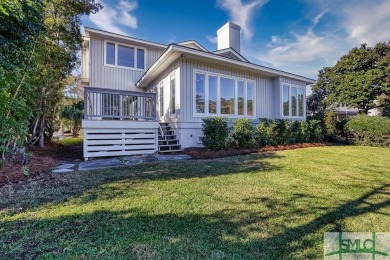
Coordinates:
72 141
262 206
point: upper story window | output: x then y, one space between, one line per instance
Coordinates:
223 95
293 101
124 56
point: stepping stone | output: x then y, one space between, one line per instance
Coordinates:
132 161
182 157
62 170
165 157
100 164
149 158
66 166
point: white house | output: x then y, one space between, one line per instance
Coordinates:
145 97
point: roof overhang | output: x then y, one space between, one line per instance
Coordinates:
174 52
119 37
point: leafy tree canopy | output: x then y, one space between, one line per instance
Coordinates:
357 79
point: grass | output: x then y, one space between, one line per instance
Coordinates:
260 206
72 141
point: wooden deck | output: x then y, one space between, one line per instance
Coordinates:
119 123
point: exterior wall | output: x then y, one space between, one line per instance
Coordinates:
267 93
164 78
116 78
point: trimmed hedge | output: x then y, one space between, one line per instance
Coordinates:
267 132
215 133
368 130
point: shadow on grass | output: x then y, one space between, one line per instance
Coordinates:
59 188
140 235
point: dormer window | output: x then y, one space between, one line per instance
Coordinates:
124 56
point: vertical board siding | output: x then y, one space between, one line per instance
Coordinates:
264 89
116 78
292 81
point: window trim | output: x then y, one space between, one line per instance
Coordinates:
221 75
116 56
290 103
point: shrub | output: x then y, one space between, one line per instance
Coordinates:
315 131
368 130
243 133
281 132
215 133
262 138
330 122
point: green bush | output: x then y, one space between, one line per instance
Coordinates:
330 122
243 133
368 130
282 132
315 131
215 133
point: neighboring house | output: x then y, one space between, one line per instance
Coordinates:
145 97
343 112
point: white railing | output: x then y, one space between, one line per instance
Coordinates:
111 104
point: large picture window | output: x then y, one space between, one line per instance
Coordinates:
223 95
293 101
124 56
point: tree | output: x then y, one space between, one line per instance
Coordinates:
358 78
56 57
73 113
20 25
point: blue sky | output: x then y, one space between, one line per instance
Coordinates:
298 36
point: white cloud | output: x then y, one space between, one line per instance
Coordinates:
242 14
302 49
114 19
212 39
368 22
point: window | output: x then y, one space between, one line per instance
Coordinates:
200 93
110 54
124 56
140 59
293 101
241 97
249 98
213 94
222 95
286 100
173 95
227 96
161 99
300 101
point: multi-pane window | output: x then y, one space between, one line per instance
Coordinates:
293 101
222 95
124 56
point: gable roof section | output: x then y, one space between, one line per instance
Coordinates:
115 36
231 53
192 44
174 52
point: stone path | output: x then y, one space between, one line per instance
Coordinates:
118 162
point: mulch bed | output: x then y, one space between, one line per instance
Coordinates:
204 153
43 159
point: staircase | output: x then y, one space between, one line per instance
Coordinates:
167 142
